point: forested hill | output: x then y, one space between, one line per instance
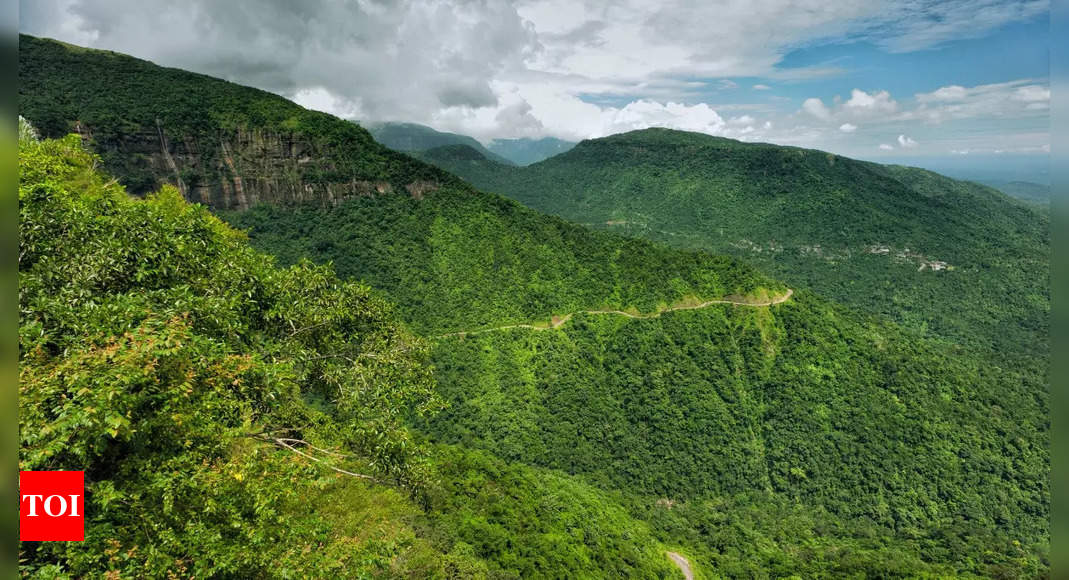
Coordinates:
416 138
954 259
221 144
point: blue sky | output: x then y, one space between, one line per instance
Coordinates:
1016 50
929 81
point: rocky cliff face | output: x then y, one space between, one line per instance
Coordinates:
242 169
223 145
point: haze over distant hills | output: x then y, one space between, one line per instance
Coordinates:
1024 190
415 138
527 151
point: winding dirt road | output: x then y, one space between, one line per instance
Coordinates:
558 321
684 565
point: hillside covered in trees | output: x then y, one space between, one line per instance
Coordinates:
234 418
799 438
952 259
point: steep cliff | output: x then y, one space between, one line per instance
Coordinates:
220 144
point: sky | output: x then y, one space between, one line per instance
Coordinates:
936 83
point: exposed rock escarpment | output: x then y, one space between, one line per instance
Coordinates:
244 168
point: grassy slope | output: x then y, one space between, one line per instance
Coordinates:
462 261
810 218
802 402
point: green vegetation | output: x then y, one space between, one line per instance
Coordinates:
461 260
911 449
171 361
1037 194
864 234
183 372
802 404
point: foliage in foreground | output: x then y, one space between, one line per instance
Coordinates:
173 364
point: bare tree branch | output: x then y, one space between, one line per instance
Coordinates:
297 331
283 443
310 446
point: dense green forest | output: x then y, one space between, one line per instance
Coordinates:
924 444
954 259
460 260
804 401
804 438
211 398
919 445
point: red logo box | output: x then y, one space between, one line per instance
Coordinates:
52 506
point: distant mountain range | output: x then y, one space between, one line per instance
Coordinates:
414 138
1024 190
527 151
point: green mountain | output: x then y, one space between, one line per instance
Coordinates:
648 398
413 137
219 143
527 151
954 259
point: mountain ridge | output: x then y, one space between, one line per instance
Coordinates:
527 151
221 144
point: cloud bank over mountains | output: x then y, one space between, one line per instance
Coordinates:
578 69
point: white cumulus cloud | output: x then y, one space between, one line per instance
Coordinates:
816 107
904 141
1014 99
862 104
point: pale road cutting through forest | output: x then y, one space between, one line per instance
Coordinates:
683 564
557 322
